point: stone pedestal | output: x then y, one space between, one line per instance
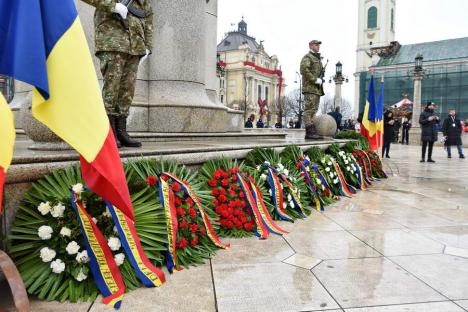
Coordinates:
415 136
416 98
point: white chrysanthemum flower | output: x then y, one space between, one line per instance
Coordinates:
307 157
65 232
57 266
258 168
57 210
94 220
72 248
263 177
280 166
291 204
329 163
327 169
289 197
107 213
267 162
341 153
47 254
44 208
348 168
119 259
346 162
318 181
78 188
323 161
323 188
286 172
45 232
81 276
307 168
115 230
114 243
82 257
335 181
285 205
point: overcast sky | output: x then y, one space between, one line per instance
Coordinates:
288 26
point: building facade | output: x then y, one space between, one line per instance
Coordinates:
445 63
251 80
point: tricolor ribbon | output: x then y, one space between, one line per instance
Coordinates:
344 187
101 261
209 227
277 195
261 230
148 274
361 180
295 198
315 197
166 196
266 217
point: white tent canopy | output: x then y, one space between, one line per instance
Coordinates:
405 101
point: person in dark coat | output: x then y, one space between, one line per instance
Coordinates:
429 124
406 127
260 123
249 122
389 124
337 116
452 129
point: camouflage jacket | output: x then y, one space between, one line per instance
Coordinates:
110 35
311 67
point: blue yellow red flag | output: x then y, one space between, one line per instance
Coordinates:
42 43
7 133
369 118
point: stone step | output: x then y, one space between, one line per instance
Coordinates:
233 136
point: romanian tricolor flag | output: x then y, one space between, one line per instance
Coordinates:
7 142
372 119
42 43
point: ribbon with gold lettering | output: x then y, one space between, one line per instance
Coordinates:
261 230
265 214
277 195
209 227
344 187
102 264
316 198
166 196
148 274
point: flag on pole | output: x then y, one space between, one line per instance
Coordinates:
372 119
7 133
42 43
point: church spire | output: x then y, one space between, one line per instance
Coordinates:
242 27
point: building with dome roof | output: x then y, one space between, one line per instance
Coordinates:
250 79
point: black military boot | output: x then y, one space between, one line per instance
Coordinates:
113 122
311 133
122 134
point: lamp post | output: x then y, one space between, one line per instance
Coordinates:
301 109
418 76
338 79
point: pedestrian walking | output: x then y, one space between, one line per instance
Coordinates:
406 125
389 124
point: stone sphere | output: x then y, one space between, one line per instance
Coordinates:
325 125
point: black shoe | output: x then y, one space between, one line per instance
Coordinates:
431 161
422 160
113 124
122 134
462 156
387 156
311 133
449 156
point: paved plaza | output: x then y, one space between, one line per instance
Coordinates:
402 245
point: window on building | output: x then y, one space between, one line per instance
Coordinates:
392 20
222 99
266 94
259 92
372 17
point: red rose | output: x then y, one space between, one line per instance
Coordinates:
215 202
241 195
212 182
248 227
215 192
298 165
194 228
234 178
176 187
222 198
225 175
189 201
229 225
224 213
224 182
238 225
183 224
194 242
151 181
182 243
177 201
222 192
232 193
217 175
243 219
180 212
192 212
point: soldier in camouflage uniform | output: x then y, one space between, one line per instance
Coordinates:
312 87
119 51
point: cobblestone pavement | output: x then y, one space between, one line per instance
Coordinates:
402 245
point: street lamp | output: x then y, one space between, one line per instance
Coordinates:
418 63
339 69
338 79
301 110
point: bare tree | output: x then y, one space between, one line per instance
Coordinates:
327 103
294 104
346 109
280 109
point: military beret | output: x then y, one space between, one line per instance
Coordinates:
315 42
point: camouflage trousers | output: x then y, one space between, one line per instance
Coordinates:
119 71
311 106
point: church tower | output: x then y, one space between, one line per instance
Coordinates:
376 28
